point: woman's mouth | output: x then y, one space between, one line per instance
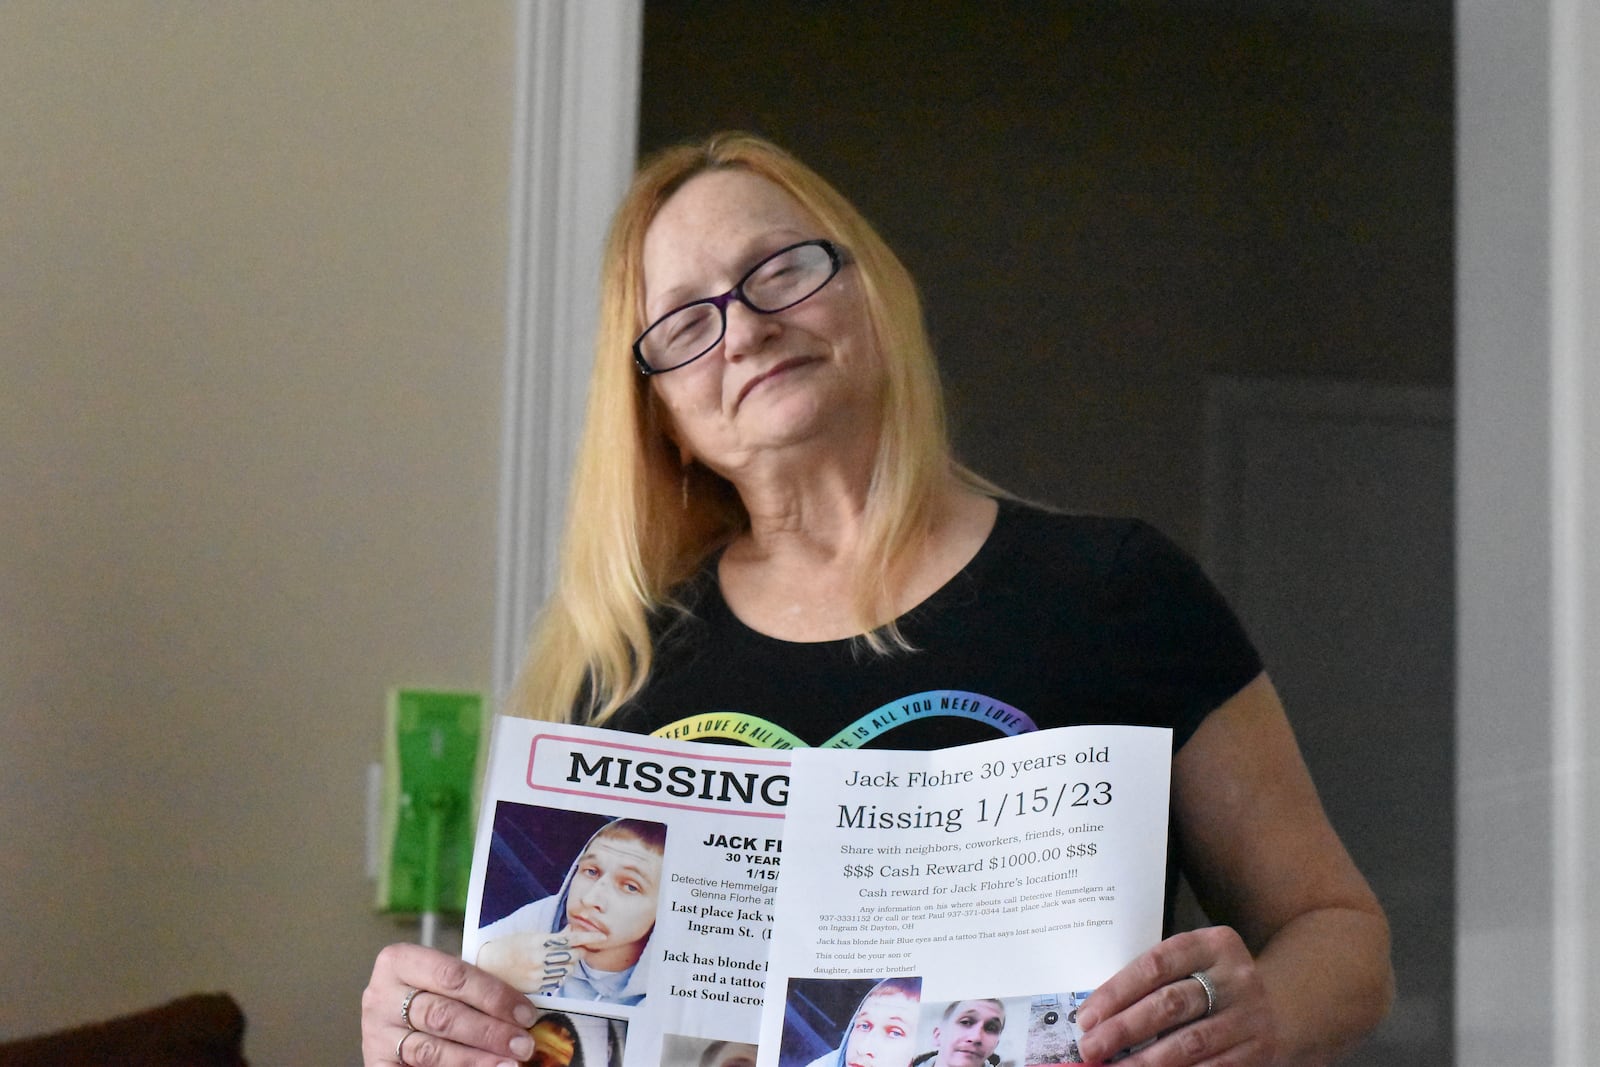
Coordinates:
781 367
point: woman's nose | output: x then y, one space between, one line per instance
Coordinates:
747 331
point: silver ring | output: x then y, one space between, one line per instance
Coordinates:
400 1049
405 1013
1211 992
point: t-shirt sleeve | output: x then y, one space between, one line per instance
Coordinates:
1174 643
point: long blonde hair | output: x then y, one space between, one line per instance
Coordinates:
630 539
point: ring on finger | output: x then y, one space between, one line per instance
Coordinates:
1211 992
405 1011
400 1049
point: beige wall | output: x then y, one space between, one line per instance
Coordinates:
251 311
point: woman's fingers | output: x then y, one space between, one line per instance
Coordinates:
459 1015
1172 959
451 977
1155 1005
1230 1039
417 1048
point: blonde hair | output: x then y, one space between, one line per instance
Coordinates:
630 539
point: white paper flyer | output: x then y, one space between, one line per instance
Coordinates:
626 883
1001 881
680 904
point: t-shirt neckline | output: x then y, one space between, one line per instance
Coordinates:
717 610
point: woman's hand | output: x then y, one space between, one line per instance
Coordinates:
458 1015
1155 1005
1301 967
536 962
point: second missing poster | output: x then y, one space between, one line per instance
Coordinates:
691 905
1001 881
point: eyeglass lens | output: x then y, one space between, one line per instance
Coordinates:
778 282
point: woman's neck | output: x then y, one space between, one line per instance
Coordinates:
794 575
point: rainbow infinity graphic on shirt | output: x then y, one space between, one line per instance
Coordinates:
757 732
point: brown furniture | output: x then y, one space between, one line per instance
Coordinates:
202 1030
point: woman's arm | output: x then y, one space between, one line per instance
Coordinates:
1301 965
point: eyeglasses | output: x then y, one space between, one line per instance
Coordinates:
779 282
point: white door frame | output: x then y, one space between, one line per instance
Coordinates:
575 140
1528 481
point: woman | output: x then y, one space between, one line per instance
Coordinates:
589 940
967 1034
766 517
883 1029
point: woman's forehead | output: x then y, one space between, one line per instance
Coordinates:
713 224
730 197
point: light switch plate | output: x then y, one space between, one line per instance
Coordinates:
432 742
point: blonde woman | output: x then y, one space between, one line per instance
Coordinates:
768 524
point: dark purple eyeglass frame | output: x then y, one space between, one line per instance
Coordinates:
737 293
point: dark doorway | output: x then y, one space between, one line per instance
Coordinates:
1111 206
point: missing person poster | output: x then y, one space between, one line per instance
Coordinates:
626 883
693 905
968 899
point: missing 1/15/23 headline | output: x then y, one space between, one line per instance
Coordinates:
1020 804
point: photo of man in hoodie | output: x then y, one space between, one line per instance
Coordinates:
588 940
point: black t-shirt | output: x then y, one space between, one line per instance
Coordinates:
1059 620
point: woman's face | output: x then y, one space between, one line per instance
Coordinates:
970 1034
883 1032
613 894
807 374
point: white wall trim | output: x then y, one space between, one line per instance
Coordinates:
1571 277
574 144
1528 106
1504 849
